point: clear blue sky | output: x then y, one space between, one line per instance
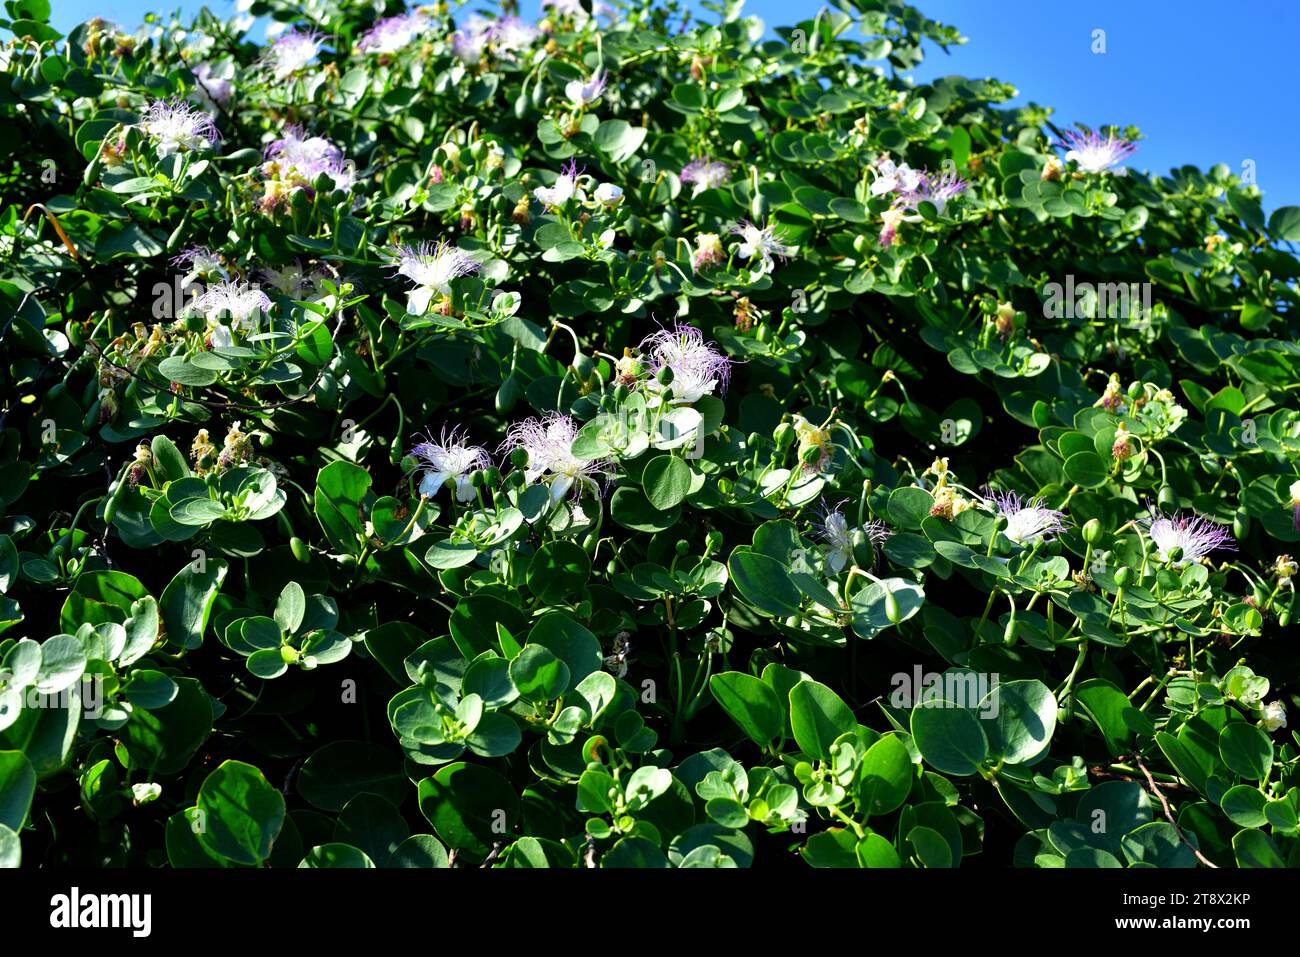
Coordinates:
1207 82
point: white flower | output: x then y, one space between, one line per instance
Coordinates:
241 302
835 531
759 242
1096 153
1028 523
896 179
582 94
432 268
449 459
1195 536
144 793
291 52
1274 716
697 368
838 536
176 125
609 194
566 184
548 442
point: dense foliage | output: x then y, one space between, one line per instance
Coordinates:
438 439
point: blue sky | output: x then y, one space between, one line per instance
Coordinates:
1206 82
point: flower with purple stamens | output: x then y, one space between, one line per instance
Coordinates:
432 267
211 87
511 36
176 125
291 52
936 190
836 532
391 34
1096 153
1028 523
299 159
450 459
705 174
697 368
242 303
469 43
1193 534
566 184
582 94
761 243
548 442
199 261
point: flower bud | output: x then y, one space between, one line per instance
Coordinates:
1092 531
607 194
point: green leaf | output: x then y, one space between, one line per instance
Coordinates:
241 813
17 787
557 569
570 642
666 480
950 738
471 807
1086 469
764 582
336 855
340 502
818 717
1284 224
538 674
751 703
886 776
187 600
1024 717
339 771
1246 749
1254 848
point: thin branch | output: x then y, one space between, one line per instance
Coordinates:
1170 815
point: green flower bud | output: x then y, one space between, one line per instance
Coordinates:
892 611
665 376
1136 390
1092 531
1241 524
784 436
1124 577
519 458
